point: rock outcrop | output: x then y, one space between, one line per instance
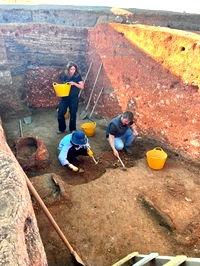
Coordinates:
20 242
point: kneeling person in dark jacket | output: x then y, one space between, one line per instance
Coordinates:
121 132
70 147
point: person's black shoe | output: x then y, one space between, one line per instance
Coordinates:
128 151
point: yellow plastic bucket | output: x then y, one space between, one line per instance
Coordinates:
156 158
89 128
62 90
67 114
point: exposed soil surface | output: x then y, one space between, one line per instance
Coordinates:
109 213
27 151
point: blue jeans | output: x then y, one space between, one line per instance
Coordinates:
125 140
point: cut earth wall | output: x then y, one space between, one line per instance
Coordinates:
153 72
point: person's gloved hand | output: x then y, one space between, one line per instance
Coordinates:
87 146
73 167
90 152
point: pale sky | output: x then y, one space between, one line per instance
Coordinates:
188 6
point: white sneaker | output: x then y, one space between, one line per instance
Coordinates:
61 132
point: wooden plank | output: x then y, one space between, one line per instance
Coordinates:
146 259
127 258
161 260
176 261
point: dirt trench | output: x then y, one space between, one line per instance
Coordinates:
107 213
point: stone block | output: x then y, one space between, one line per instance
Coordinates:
6 78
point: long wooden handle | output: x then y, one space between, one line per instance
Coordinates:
121 162
48 214
53 222
94 86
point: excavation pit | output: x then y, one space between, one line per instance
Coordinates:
31 153
26 148
148 70
104 198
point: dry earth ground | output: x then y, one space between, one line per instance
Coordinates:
108 212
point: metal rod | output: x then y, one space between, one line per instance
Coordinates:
121 162
94 160
94 86
86 77
96 103
20 128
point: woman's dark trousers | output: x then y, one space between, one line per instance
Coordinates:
72 103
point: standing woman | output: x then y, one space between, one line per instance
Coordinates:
73 77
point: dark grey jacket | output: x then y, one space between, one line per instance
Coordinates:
116 128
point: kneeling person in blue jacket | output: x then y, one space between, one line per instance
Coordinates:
70 147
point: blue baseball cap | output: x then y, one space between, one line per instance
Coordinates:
79 138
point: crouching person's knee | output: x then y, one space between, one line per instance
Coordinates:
119 145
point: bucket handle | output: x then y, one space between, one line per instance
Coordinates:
55 83
158 149
92 123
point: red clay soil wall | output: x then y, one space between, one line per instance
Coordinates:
154 72
20 242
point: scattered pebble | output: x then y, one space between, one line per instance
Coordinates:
187 199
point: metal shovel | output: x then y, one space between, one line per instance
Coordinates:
95 103
84 113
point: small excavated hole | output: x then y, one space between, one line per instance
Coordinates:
27 148
182 48
169 38
194 46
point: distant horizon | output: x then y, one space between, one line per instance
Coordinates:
170 5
